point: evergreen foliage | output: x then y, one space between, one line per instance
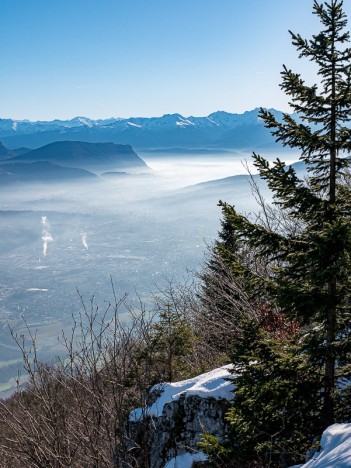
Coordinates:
217 454
277 402
172 340
310 278
307 271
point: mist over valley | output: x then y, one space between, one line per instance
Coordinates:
76 215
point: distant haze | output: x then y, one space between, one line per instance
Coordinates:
64 228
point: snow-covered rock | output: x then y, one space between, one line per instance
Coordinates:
185 460
335 448
172 426
213 384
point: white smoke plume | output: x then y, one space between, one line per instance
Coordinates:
45 234
84 241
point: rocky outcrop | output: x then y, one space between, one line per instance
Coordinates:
173 425
180 427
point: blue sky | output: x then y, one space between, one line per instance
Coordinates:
122 58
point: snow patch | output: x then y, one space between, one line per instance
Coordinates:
213 384
84 121
133 124
212 121
37 289
184 122
185 460
335 448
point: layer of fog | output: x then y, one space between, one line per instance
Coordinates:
115 192
87 228
138 229
178 171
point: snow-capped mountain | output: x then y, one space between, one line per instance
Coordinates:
217 130
10 127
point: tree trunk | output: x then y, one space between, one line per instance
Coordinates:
329 375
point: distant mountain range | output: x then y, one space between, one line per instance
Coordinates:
65 160
217 130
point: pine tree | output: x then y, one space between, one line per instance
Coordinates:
172 341
222 302
310 270
277 400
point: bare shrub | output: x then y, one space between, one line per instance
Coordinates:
75 412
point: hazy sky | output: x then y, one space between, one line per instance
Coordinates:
122 58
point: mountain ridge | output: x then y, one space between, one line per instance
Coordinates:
219 129
84 155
